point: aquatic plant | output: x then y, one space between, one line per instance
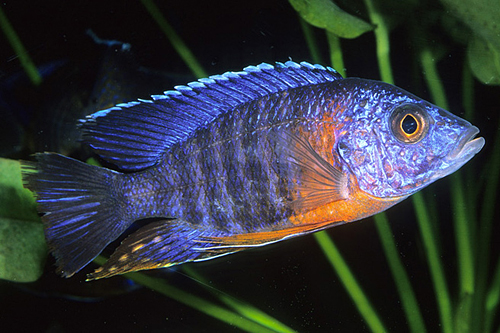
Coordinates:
471 305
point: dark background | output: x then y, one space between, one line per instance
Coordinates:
290 281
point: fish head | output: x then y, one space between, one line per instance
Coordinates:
396 143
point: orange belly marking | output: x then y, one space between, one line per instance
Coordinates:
357 206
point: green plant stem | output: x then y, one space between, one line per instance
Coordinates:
179 45
383 45
336 57
410 304
463 235
432 78
243 308
308 32
467 91
471 183
349 281
17 45
197 303
435 265
492 301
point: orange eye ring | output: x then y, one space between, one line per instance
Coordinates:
409 123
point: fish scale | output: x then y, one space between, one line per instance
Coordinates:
240 160
243 167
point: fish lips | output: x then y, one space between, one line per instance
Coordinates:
466 148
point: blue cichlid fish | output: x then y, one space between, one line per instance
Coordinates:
241 160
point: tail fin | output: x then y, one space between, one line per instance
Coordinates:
83 212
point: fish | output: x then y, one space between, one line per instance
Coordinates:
80 87
18 97
240 160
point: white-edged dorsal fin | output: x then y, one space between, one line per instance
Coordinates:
134 135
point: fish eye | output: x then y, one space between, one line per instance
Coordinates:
409 123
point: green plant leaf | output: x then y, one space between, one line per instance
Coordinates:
481 16
16 202
22 244
22 250
327 15
484 60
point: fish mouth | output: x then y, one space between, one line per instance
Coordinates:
466 147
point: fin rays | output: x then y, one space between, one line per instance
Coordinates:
159 244
81 214
256 239
316 182
165 243
134 135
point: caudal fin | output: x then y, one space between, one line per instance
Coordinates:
83 213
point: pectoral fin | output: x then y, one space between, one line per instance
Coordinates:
316 182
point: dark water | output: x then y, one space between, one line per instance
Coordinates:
291 281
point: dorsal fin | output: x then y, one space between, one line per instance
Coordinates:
134 135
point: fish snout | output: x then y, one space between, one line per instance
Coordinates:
466 147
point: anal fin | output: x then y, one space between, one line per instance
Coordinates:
255 239
160 244
167 243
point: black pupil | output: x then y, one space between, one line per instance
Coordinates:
409 124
